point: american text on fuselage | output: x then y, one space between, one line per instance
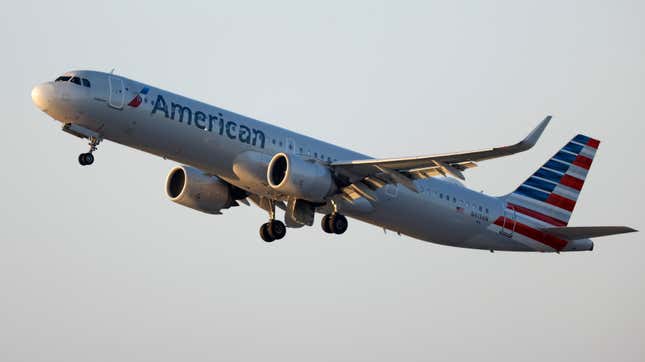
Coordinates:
209 122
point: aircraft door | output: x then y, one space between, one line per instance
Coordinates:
116 93
508 226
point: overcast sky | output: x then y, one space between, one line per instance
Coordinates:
97 265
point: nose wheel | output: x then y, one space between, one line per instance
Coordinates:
86 159
334 223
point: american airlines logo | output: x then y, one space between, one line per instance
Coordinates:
136 101
207 122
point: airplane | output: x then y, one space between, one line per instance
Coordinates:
227 159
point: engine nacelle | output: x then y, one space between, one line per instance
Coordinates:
190 187
299 178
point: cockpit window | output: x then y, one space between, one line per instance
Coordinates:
75 80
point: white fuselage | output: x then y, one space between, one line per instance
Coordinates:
213 140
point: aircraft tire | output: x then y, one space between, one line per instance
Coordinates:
276 229
325 224
86 159
264 233
338 223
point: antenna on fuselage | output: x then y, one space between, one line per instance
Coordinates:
112 71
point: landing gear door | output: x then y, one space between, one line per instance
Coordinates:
116 93
508 226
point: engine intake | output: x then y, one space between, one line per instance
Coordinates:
300 178
192 188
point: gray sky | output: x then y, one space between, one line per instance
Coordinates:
97 265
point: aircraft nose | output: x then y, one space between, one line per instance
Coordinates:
42 96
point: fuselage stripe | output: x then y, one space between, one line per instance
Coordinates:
517 227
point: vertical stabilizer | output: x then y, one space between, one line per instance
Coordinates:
548 197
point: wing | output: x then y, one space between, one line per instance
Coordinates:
403 170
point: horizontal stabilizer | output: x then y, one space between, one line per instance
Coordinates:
586 232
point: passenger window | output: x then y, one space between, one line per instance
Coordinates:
62 79
76 80
86 83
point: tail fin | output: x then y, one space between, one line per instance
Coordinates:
550 194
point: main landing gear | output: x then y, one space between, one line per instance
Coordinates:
334 223
274 229
86 159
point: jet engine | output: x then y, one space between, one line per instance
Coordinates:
302 179
190 187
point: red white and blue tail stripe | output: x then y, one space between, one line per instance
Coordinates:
549 196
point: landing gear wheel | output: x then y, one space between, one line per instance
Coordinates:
325 224
264 233
86 159
277 229
338 223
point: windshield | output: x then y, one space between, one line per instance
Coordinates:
76 80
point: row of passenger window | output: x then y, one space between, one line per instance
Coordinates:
76 80
462 203
302 151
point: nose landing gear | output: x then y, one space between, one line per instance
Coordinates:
86 159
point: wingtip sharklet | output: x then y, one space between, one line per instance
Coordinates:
535 134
